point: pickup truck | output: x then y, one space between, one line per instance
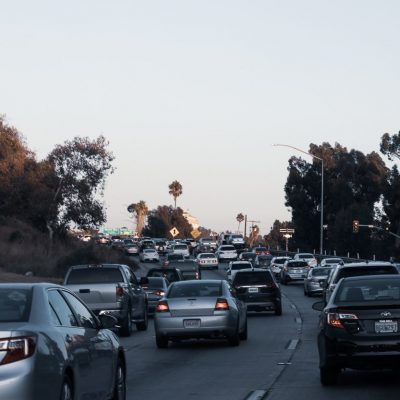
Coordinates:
111 289
188 268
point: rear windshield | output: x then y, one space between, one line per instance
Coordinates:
196 289
206 240
227 248
247 256
207 256
369 290
155 283
15 304
253 278
280 261
180 247
94 275
175 257
297 264
332 261
321 271
169 275
305 256
361 271
237 237
238 266
149 251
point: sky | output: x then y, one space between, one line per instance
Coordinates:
199 91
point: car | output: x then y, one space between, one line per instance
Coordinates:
53 347
155 288
277 264
188 268
131 249
260 250
263 261
149 255
316 278
200 309
236 239
310 258
247 256
203 248
161 246
207 261
355 269
171 274
294 270
235 266
180 248
170 257
331 262
258 289
146 244
226 253
209 241
359 327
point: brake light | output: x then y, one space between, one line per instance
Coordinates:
119 291
16 349
166 263
162 306
335 319
221 305
197 275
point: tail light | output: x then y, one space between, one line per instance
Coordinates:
221 305
16 349
166 263
285 269
119 291
335 319
197 275
162 306
159 293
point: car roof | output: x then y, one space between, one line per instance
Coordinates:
29 285
199 281
371 277
368 264
253 270
241 262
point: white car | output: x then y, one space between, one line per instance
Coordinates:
277 265
207 260
226 252
235 266
331 262
310 258
149 255
180 248
236 239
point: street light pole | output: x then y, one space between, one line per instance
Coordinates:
321 238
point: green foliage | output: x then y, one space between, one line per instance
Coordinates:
390 146
175 190
140 210
275 238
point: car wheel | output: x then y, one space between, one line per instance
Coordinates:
283 281
243 334
67 389
142 326
234 340
126 328
120 382
306 292
161 341
329 375
278 308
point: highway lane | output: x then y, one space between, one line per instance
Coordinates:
279 361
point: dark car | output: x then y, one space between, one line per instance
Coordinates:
247 256
258 289
169 273
155 288
170 257
359 327
263 260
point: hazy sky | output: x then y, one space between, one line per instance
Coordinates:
199 91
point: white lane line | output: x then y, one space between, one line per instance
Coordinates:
299 320
293 306
256 395
293 344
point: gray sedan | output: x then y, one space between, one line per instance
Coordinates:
313 284
200 309
53 347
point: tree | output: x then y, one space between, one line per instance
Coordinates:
240 219
175 190
81 166
141 210
390 146
275 238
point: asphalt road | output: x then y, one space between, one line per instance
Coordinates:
279 361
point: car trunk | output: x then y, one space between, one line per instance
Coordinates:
192 307
256 293
97 296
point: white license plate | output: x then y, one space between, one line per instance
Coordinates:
253 289
386 326
191 323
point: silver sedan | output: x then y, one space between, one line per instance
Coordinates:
53 347
200 309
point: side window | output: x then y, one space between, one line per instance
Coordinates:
84 315
131 276
134 280
61 310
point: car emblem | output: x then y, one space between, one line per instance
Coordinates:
386 314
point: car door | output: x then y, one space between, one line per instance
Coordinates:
137 294
242 309
101 351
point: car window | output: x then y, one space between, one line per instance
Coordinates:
84 316
62 310
253 278
238 266
320 271
297 264
227 248
361 271
196 289
15 304
94 275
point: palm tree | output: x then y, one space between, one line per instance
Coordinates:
240 219
141 210
175 190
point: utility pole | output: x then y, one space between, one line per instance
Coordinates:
245 226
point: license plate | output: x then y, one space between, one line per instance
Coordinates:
386 326
253 289
191 323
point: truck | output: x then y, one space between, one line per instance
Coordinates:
111 289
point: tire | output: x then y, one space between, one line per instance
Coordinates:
278 309
234 340
142 326
306 293
329 375
67 389
283 281
120 382
161 341
126 328
243 335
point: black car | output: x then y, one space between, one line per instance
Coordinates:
170 274
155 288
359 327
258 289
248 256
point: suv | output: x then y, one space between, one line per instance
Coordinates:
258 289
180 248
226 253
294 270
310 258
356 269
277 265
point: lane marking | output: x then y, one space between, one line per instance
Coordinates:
293 306
293 344
299 320
256 395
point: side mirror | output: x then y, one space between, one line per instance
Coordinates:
144 281
108 321
318 306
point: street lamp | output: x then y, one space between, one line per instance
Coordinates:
321 239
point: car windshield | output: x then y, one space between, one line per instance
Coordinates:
94 275
253 278
320 271
196 289
297 264
15 304
238 266
369 290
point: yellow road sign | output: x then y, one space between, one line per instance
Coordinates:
195 233
174 232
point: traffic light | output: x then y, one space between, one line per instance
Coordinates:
356 226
